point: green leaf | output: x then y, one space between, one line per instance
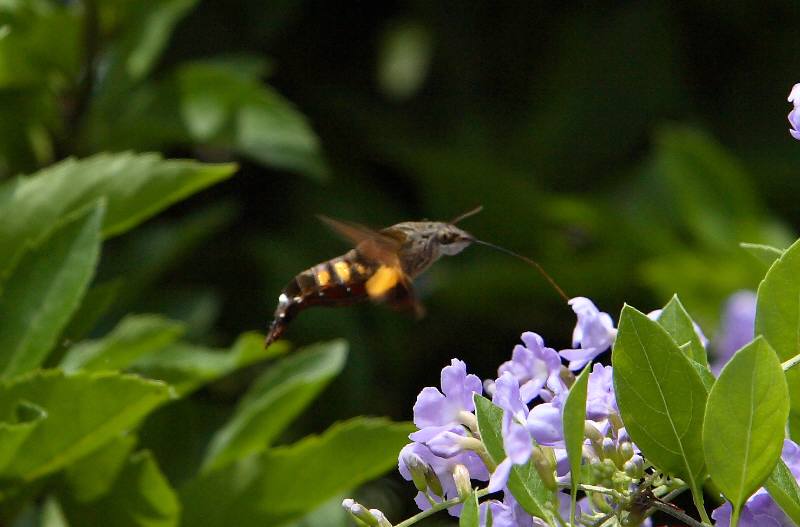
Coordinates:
524 481
140 497
92 476
187 367
574 419
44 290
136 187
778 317
134 337
283 483
744 422
469 513
84 411
680 326
783 488
661 398
274 400
765 254
15 430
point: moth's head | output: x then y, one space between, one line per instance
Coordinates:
452 240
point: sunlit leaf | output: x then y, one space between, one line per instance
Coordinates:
675 319
136 186
745 420
574 419
83 412
763 253
783 488
44 290
778 318
92 476
660 396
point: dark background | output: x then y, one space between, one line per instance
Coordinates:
561 120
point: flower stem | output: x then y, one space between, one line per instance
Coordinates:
438 507
791 363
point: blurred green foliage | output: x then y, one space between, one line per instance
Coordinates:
629 148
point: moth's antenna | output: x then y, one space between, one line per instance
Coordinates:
530 262
466 214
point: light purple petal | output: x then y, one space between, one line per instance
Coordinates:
517 443
736 329
794 94
794 133
429 432
500 476
447 444
507 396
544 424
578 358
458 386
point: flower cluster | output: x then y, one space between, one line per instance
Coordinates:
447 453
794 115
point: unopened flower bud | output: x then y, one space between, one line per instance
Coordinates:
544 467
488 387
462 479
625 450
418 469
609 448
381 517
634 467
360 512
434 485
594 436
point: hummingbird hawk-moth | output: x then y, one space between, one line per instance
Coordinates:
381 267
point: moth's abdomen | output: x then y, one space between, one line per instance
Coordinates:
337 282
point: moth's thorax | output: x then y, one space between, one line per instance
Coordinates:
422 243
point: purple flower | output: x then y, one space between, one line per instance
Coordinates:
533 365
516 438
737 327
436 412
760 510
443 468
794 116
600 398
507 513
594 333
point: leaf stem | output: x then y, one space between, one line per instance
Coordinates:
791 363
678 514
438 507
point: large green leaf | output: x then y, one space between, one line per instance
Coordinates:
778 317
140 497
676 320
44 290
660 396
524 481
745 420
84 411
783 488
573 422
134 337
283 483
276 398
136 187
186 367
